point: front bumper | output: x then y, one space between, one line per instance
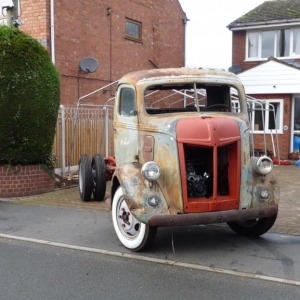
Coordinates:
213 217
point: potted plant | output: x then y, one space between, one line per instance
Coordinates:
295 155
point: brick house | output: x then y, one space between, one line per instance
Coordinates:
122 36
266 57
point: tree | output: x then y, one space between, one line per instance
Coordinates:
29 99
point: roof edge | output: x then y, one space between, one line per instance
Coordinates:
240 26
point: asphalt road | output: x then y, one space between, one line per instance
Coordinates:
204 247
41 272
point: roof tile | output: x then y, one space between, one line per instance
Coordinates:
270 11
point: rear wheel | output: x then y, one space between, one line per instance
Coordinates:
133 234
253 228
99 177
85 178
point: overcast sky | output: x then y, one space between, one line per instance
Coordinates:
208 41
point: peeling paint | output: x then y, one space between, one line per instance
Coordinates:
215 142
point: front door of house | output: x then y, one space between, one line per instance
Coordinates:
295 132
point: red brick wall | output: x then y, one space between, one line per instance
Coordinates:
284 139
239 49
168 30
24 181
87 28
36 14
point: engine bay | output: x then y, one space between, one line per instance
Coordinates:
199 171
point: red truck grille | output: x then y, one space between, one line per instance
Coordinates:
209 153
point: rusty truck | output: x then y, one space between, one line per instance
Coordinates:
184 155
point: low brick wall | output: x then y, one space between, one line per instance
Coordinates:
24 181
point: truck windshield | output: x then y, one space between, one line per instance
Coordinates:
192 97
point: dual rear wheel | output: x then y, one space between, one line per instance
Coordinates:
92 177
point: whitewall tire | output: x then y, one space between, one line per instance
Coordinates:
133 234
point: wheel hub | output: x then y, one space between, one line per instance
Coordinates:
128 224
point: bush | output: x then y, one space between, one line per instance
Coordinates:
29 99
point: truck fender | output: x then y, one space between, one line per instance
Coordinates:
137 190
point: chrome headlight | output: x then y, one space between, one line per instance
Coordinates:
264 194
262 165
151 170
153 201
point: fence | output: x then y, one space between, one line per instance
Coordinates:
92 134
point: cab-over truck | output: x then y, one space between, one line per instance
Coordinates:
183 155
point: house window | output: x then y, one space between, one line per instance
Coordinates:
235 102
253 38
263 114
283 42
235 106
266 116
278 43
267 43
296 41
133 30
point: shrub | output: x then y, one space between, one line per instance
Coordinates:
29 99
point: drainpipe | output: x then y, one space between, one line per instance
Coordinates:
109 14
63 141
52 31
185 20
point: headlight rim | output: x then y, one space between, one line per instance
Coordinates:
263 171
146 167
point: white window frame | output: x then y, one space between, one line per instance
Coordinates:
259 52
235 106
279 117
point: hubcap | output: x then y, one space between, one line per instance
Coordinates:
128 225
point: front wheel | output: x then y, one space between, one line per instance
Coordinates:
253 228
133 234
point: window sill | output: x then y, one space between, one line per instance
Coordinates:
255 59
265 59
133 39
268 132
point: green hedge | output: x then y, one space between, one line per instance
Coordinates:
29 99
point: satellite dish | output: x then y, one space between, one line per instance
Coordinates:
235 69
89 64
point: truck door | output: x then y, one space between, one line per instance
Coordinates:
125 125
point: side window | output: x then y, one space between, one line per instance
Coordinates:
127 102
